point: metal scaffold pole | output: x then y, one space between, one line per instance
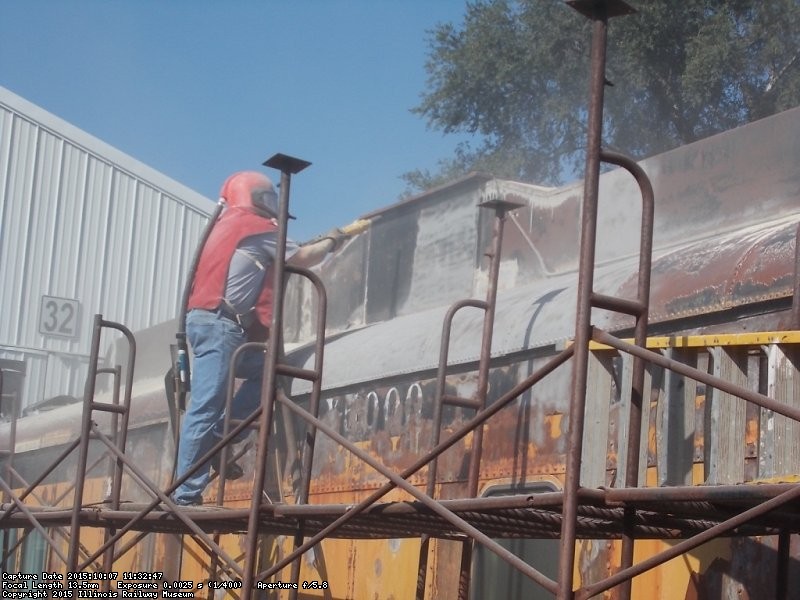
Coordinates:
584 307
288 166
599 11
477 401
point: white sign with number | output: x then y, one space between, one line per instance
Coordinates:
59 317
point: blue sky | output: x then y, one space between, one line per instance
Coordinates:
199 89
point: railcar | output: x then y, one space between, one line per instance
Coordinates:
724 275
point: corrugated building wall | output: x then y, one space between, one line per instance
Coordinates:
84 229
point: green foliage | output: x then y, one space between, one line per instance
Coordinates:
515 76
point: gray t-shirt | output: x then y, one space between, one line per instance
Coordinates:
249 265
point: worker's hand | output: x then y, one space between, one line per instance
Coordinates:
337 236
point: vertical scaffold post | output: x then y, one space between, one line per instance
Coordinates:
83 448
796 292
8 455
784 538
114 470
477 401
599 11
120 436
288 166
501 209
310 437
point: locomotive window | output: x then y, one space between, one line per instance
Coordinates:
33 553
492 577
13 374
8 538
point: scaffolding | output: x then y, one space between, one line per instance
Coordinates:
584 509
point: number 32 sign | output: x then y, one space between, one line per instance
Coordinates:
59 316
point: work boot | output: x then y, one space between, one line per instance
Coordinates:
195 502
233 470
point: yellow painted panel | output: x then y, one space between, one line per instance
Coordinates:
698 341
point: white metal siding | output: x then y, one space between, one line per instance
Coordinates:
81 220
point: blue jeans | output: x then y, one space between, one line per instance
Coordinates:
213 339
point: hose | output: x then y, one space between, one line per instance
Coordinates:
178 378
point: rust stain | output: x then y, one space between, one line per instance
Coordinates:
553 423
720 273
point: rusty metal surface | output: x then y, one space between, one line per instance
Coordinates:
729 271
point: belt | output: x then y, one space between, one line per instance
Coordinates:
226 312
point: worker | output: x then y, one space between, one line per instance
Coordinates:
231 303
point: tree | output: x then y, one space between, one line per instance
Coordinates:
515 75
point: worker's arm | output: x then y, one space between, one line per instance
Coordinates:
311 254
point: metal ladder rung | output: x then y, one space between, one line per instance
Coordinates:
634 308
233 423
462 402
106 407
297 372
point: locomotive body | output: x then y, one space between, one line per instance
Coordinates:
723 280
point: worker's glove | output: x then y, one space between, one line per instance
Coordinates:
337 236
340 235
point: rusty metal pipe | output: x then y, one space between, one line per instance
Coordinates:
486 344
105 407
12 447
436 428
108 557
265 421
796 295
408 508
441 379
479 400
89 405
287 166
715 493
629 307
298 373
225 455
483 383
471 403
642 304
316 392
583 316
782 572
83 447
226 420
